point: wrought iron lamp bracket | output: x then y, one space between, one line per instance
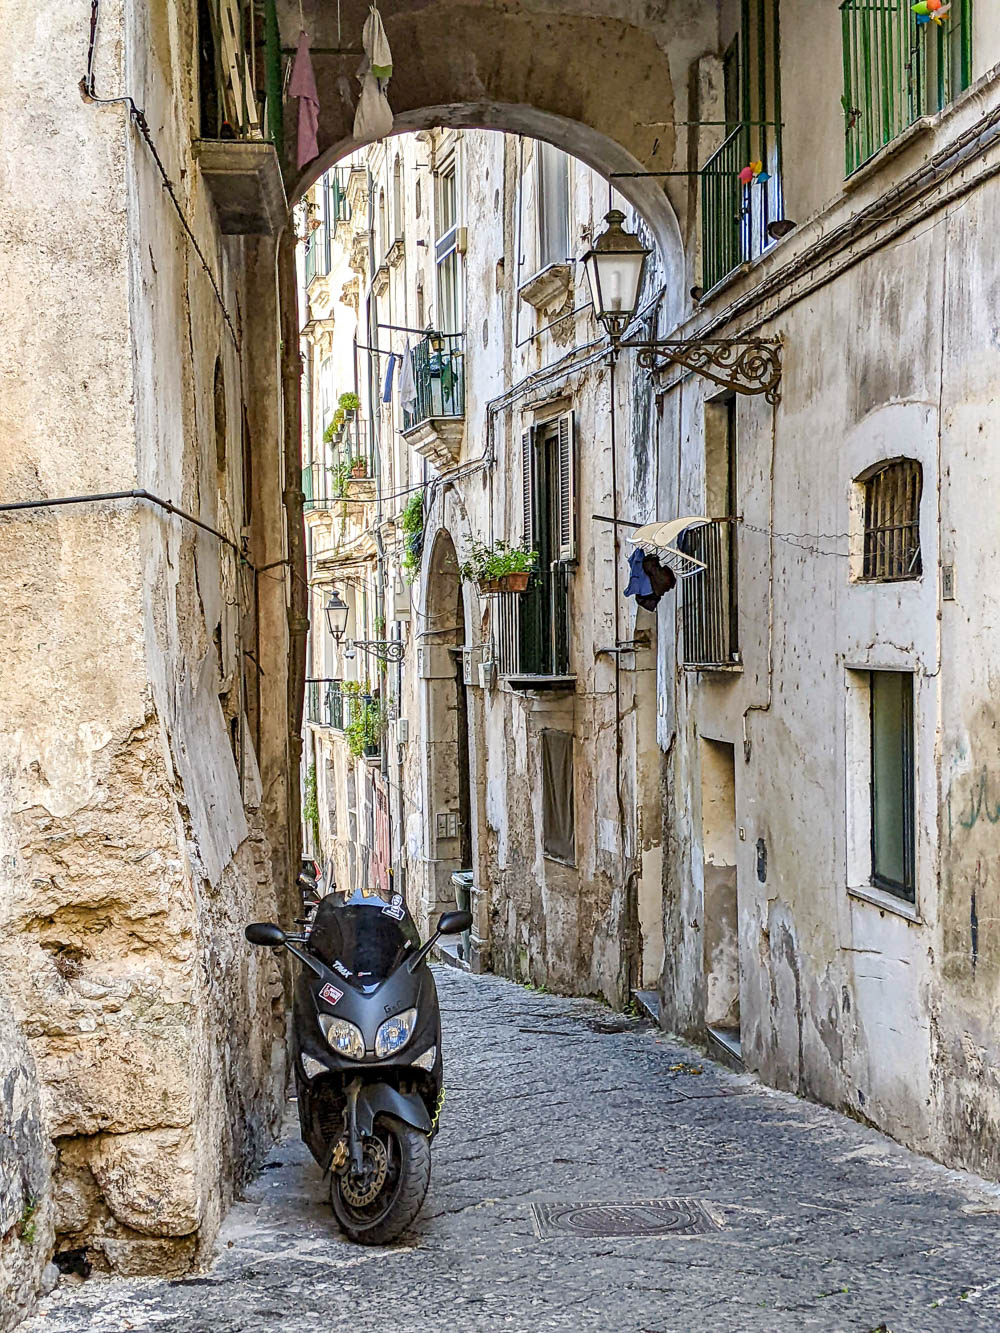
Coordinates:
386 650
748 365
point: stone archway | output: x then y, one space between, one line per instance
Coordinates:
544 70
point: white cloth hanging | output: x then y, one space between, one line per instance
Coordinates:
407 379
373 119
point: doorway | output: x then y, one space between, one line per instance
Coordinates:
720 906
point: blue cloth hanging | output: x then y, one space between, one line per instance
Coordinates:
638 584
389 371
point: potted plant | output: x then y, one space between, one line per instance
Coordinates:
341 476
349 403
499 568
359 466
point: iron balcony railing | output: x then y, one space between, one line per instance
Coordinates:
439 379
318 255
335 706
240 66
532 628
709 620
735 217
897 70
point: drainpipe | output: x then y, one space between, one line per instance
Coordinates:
293 498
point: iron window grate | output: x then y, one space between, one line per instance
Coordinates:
892 522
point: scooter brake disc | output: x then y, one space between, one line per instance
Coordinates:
364 1189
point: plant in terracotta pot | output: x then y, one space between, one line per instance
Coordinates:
500 567
349 403
359 467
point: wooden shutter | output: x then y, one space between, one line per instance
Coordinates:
528 487
567 488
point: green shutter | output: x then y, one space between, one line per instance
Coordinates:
528 487
567 488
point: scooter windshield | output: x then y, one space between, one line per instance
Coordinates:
367 938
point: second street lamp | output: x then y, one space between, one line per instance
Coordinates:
337 612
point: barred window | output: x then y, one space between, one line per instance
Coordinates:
892 520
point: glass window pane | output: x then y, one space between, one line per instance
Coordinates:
892 780
553 206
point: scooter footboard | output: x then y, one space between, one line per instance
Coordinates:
380 1099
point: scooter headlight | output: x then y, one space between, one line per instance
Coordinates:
394 1033
343 1037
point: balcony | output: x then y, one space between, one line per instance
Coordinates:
240 144
735 217
531 636
318 253
434 421
709 637
897 70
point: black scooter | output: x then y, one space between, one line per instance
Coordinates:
366 1045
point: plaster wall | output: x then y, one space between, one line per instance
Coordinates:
847 995
141 1042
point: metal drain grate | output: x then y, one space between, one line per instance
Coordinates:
648 1217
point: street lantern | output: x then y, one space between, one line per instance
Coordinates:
336 615
614 267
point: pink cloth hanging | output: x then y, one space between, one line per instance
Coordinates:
303 86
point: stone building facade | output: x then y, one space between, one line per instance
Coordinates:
500 762
815 749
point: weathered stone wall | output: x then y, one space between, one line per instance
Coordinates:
141 1042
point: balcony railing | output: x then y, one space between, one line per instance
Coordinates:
241 42
897 70
734 216
708 604
318 253
532 628
439 378
313 713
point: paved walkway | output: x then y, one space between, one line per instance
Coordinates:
823 1224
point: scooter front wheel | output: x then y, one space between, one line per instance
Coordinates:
377 1206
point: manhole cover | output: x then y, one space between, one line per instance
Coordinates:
649 1217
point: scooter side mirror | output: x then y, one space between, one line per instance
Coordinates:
453 923
266 933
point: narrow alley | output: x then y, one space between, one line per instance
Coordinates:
801 1219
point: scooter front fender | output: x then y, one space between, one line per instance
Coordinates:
379 1099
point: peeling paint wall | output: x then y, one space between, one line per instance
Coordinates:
848 995
141 1045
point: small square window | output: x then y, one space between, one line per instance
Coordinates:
892 521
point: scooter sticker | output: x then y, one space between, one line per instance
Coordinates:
330 994
339 967
395 909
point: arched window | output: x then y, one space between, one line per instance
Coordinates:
397 199
891 516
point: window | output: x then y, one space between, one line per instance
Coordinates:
891 496
892 787
383 235
735 217
448 314
533 627
558 830
397 200
709 606
897 70
552 205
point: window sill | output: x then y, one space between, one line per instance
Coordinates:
523 683
886 902
720 668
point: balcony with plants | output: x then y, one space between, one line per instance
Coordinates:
434 416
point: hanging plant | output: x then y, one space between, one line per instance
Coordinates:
366 728
341 476
413 534
499 568
348 404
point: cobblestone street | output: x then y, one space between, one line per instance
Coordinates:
822 1223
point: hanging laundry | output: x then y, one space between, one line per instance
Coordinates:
648 579
303 86
407 380
373 119
389 371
